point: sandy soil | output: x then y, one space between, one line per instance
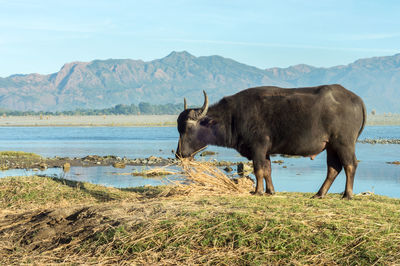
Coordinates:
138 120
383 120
106 120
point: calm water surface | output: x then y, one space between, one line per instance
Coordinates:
301 174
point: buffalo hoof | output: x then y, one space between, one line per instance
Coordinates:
347 197
255 193
317 196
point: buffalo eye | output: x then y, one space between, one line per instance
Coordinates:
207 122
181 127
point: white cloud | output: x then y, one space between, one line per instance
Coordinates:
56 26
283 45
369 36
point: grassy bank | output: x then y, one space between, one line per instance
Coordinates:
45 220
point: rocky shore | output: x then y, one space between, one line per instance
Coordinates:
380 141
34 161
87 161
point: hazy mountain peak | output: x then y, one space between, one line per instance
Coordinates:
182 54
382 62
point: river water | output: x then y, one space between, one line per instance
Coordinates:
299 174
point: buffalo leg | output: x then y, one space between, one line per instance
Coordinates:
259 173
348 158
334 168
262 171
350 173
259 165
269 187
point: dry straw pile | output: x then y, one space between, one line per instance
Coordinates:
204 177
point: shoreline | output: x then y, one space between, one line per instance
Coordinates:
136 121
90 121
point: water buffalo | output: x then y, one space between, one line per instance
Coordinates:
261 121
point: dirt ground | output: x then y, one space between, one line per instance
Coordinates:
50 232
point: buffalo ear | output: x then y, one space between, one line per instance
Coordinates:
207 122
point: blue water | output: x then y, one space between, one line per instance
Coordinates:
301 174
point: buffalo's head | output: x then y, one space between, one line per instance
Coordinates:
194 130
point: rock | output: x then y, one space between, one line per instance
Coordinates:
207 153
243 169
290 156
380 141
118 165
244 181
228 169
66 167
278 161
223 163
92 158
43 166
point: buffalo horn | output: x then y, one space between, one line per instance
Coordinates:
184 104
204 108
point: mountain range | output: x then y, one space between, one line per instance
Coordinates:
105 83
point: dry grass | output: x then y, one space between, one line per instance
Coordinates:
211 220
205 177
154 172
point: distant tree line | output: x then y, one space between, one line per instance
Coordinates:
119 109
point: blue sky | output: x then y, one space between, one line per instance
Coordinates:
40 36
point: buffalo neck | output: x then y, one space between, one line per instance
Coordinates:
221 127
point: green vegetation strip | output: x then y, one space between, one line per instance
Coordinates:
18 155
27 193
148 227
119 109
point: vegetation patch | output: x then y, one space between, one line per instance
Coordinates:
18 155
8 159
119 109
35 192
208 153
155 172
47 220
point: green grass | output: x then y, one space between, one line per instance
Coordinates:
234 229
285 229
36 192
18 155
